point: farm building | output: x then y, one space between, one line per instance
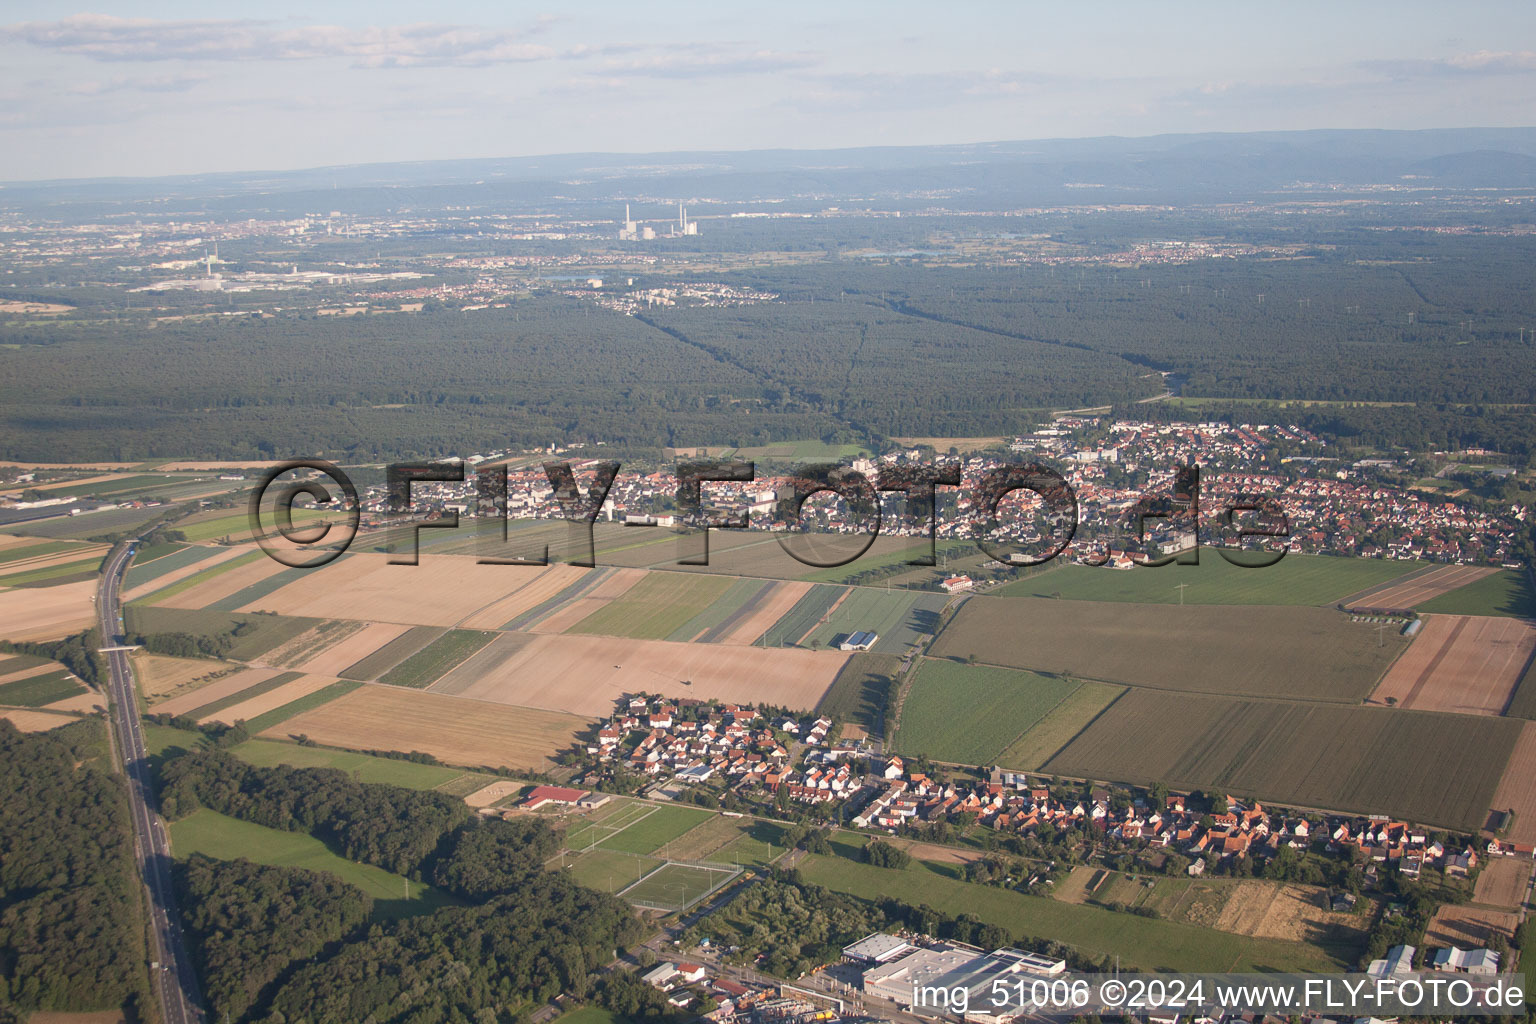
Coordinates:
1465 961
863 640
543 796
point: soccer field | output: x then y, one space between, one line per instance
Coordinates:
678 885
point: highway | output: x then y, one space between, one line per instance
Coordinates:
174 979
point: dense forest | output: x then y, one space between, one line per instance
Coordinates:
71 924
853 350
522 935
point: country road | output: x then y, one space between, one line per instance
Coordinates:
174 979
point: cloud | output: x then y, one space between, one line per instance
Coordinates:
713 62
1480 63
106 37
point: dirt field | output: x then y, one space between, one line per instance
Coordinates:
1293 912
80 703
612 588
1503 882
453 729
225 583
1466 926
939 854
584 675
229 685
778 603
161 677
1515 792
1419 587
177 575
46 613
488 795
1469 664
36 721
443 590
353 648
246 710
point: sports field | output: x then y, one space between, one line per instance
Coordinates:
1433 768
1506 592
970 715
584 675
1295 579
1313 653
657 607
1460 663
674 886
225 838
654 829
452 729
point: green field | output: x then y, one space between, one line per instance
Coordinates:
859 692
719 610
142 572
25 551
655 830
900 617
1437 769
656 607
36 691
1298 652
212 572
1505 592
678 886
427 665
226 838
1295 579
265 686
88 524
1523 703
605 821
1140 942
149 552
802 617
760 843
609 870
63 573
1060 725
970 715
901 551
393 653
142 483
255 634
363 767
17 662
234 525
313 700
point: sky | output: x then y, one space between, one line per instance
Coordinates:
145 89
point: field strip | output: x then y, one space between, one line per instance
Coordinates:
173 568
746 610
258 704
531 618
824 616
216 690
1429 670
615 586
338 657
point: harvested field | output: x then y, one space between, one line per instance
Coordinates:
315 640
710 622
485 796
1431 768
1470 665
1515 792
23 561
248 710
161 678
353 648
803 616
1468 927
455 730
1413 590
47 613
1298 913
441 591
586 675
81 703
614 586
1503 882
23 667
486 661
1298 652
655 607
36 721
217 690
754 619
